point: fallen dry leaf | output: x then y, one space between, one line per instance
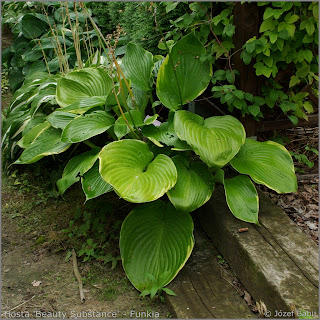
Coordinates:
36 283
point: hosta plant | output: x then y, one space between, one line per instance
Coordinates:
168 168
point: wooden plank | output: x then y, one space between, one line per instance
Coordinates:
264 126
266 258
247 21
202 292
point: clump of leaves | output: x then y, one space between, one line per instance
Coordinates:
93 232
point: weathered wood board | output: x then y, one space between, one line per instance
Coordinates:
202 293
276 262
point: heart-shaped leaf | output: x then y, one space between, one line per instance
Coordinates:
60 119
92 183
242 198
216 139
128 165
77 166
156 240
137 66
47 143
83 84
194 186
87 126
182 76
267 163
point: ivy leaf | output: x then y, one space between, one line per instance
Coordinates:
294 80
268 24
259 101
268 13
303 71
254 110
273 37
308 107
291 18
308 55
261 69
250 46
246 57
268 61
293 119
287 106
280 43
229 30
239 94
291 28
310 27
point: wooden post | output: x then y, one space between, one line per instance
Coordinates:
247 21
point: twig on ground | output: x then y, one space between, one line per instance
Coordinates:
78 276
19 305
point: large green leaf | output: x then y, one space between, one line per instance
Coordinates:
182 76
60 119
92 183
76 166
87 126
156 240
128 165
47 143
32 134
242 198
83 84
84 105
137 66
216 139
194 186
32 26
267 163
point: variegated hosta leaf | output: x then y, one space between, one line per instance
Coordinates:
128 165
84 105
242 198
76 166
28 138
92 183
82 84
36 119
86 126
156 240
60 119
121 128
45 95
137 66
216 139
194 186
47 143
182 76
267 163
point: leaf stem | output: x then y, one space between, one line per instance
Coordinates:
90 144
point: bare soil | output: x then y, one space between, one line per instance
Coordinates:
35 276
